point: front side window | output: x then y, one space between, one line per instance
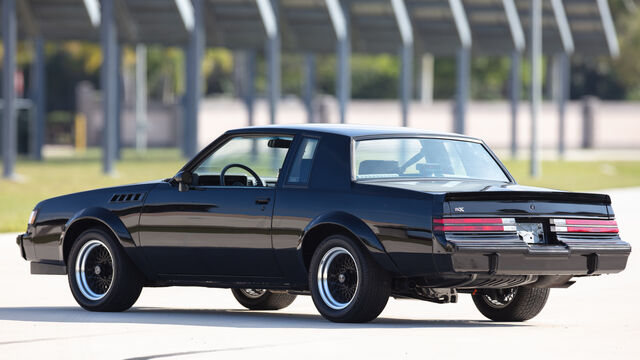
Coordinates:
264 155
424 158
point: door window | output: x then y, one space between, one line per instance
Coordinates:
264 155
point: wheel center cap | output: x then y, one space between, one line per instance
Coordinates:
342 278
97 270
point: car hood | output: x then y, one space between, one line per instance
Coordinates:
96 197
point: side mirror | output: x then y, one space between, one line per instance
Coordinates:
183 179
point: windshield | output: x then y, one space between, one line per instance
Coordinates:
424 158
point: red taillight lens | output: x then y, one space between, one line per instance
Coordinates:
584 226
475 224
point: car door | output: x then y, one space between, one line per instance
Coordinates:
213 230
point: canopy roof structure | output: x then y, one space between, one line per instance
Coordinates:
59 19
460 28
234 24
306 25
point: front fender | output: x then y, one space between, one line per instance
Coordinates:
358 229
115 225
104 216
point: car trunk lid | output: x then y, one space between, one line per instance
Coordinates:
541 203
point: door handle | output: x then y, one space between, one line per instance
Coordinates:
262 201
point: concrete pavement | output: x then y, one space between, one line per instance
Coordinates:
596 318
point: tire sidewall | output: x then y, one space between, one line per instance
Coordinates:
107 240
249 302
361 265
526 304
267 301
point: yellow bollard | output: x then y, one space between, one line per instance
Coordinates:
80 133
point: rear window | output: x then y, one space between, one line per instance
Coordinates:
424 158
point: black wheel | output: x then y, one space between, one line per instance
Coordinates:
512 304
346 284
101 275
260 299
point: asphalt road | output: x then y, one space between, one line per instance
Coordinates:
596 318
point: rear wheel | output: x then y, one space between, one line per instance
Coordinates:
101 276
346 284
512 304
261 299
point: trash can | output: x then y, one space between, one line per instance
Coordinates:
23 114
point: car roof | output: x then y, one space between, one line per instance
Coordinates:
348 130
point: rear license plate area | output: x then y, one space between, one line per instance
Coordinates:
531 233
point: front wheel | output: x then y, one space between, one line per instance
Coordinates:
512 304
101 275
261 299
346 284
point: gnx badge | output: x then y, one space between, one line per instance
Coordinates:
459 209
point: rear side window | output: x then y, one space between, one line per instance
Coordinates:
301 167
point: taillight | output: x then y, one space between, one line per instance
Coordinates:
584 226
475 224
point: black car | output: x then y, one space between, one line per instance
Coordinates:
348 214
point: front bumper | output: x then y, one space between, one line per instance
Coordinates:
585 257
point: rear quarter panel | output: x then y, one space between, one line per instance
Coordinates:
399 219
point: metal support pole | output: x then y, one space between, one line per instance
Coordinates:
536 85
141 98
561 75
244 77
406 81
195 51
343 79
515 83
426 79
184 103
247 80
273 64
250 88
463 70
119 103
339 14
309 84
273 76
109 84
9 120
406 56
38 96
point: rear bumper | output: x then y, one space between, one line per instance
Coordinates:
593 258
20 242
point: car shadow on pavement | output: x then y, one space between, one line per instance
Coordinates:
221 318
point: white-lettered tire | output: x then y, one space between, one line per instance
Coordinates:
513 304
346 284
101 276
261 299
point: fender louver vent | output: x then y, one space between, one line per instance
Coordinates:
132 197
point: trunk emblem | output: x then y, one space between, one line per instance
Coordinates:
459 209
